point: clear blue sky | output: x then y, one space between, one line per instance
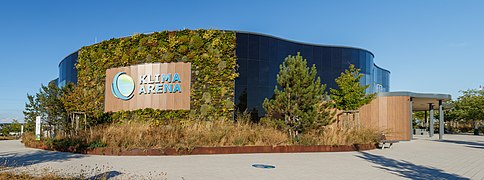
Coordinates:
429 46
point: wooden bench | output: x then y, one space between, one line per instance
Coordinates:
384 141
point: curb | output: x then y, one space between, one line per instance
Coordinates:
222 150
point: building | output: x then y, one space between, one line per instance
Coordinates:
67 70
259 57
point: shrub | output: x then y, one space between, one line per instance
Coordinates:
28 138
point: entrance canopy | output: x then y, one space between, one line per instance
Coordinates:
425 102
421 101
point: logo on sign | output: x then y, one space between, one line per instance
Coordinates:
122 86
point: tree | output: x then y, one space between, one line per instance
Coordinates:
471 104
12 127
453 116
31 112
350 94
298 99
50 105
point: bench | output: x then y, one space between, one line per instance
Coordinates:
384 141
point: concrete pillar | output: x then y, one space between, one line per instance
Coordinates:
426 122
441 121
431 119
411 118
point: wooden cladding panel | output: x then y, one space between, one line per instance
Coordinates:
162 101
390 114
133 103
156 100
186 86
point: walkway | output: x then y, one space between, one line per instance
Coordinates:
458 157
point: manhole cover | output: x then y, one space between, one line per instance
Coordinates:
263 166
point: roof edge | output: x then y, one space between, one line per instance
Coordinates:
304 43
416 95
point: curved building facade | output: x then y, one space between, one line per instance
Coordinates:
259 57
67 70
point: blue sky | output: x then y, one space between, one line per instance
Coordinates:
429 46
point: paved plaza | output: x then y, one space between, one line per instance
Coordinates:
456 157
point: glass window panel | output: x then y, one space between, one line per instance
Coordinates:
264 52
307 52
242 45
363 61
355 58
264 73
336 60
346 58
241 97
326 61
242 70
254 47
272 50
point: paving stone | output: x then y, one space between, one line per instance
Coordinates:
457 157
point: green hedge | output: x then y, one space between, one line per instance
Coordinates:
211 53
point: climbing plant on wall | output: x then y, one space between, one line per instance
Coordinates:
211 53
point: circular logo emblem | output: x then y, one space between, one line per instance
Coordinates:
123 86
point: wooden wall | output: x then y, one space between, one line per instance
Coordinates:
390 114
162 101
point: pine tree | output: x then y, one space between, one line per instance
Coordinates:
350 94
31 112
299 97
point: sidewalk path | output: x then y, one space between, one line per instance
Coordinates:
457 157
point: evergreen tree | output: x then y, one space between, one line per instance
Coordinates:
350 94
31 112
299 97
52 107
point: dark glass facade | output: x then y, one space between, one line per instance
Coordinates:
67 70
259 57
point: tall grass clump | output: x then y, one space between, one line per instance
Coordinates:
186 136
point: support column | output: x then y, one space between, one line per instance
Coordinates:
431 119
411 118
441 121
426 123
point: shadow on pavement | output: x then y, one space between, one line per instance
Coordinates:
30 158
407 169
468 143
106 175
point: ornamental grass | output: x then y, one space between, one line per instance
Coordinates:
186 136
189 134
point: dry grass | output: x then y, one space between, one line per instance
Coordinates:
9 173
187 136
333 135
29 140
7 138
22 176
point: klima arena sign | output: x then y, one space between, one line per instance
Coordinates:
164 86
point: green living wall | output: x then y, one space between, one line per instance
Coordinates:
211 53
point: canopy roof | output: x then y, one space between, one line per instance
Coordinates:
421 101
